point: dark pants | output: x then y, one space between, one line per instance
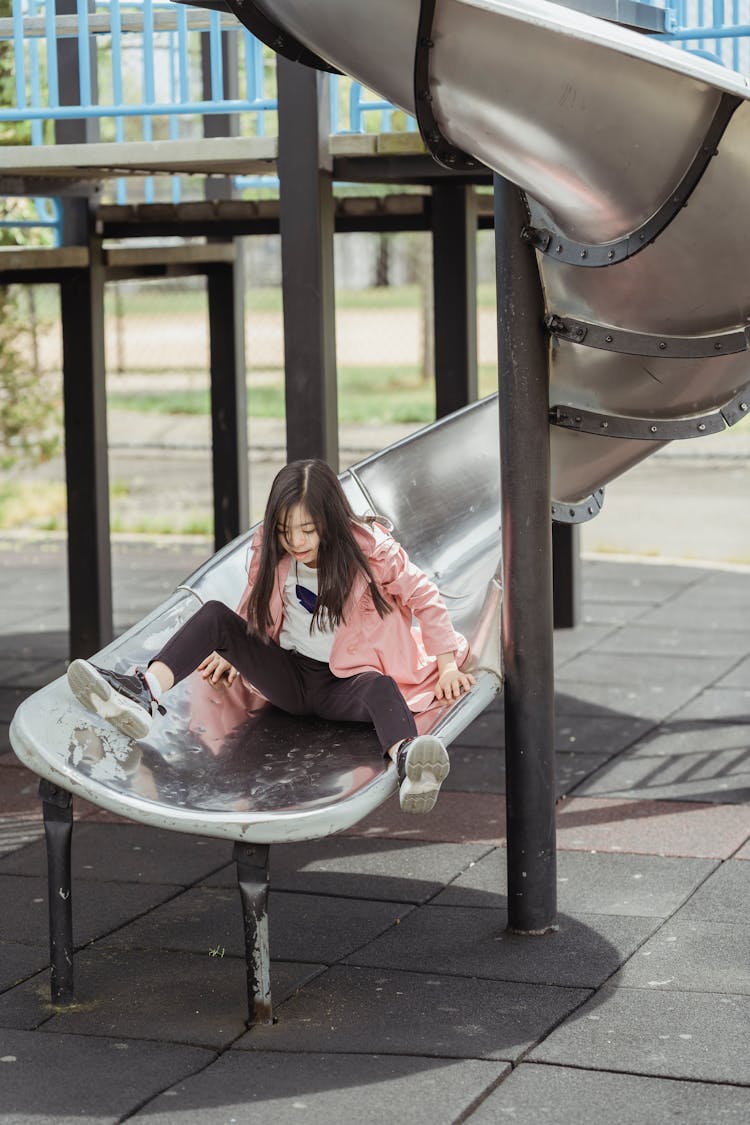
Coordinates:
295 683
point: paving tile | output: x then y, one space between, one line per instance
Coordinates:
593 731
744 852
316 928
488 730
394 870
633 584
647 1031
716 775
475 769
20 960
730 705
723 586
688 955
691 672
10 700
651 827
32 674
465 818
674 640
551 1095
68 1079
739 677
723 897
356 1010
19 792
653 699
604 735
97 908
139 994
583 824
604 568
592 883
18 831
129 853
696 610
265 1087
571 642
693 738
36 644
613 612
475 942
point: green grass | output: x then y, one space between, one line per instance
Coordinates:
159 302
381 395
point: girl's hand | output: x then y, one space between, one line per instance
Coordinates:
452 682
217 670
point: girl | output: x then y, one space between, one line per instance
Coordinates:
325 627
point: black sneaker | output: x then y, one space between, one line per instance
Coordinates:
423 766
124 701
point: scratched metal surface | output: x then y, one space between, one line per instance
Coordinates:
597 124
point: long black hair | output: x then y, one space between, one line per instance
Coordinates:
315 485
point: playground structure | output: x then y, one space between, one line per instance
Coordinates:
226 764
648 345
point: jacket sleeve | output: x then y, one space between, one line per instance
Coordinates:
403 582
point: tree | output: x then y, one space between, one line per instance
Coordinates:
29 411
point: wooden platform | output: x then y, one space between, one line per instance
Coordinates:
358 157
34 264
207 156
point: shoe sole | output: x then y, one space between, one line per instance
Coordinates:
94 693
427 767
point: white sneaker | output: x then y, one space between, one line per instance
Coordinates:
124 701
423 766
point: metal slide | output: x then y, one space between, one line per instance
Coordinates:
635 160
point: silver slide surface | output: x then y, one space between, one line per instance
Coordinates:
635 158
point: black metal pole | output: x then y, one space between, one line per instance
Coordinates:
57 807
252 877
566 574
86 456
307 226
84 392
220 124
527 572
454 273
226 318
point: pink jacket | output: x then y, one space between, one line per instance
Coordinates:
395 645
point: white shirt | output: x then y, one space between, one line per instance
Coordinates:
295 630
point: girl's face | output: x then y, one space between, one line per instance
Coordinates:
299 536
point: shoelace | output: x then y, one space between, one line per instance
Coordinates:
154 701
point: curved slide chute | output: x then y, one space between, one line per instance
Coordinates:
635 160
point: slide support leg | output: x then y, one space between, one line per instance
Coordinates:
527 572
57 806
252 875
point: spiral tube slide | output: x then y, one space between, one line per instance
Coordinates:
635 161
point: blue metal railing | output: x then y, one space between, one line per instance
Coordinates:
139 71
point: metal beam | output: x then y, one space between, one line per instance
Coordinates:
220 124
57 808
86 467
307 226
76 130
226 316
527 572
566 574
454 273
